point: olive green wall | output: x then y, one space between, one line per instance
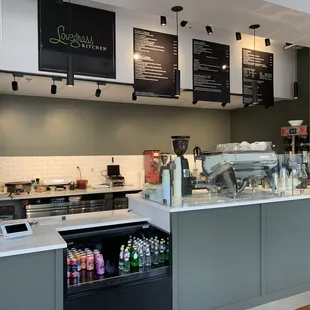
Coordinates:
257 123
34 126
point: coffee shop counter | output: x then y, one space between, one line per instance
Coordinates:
32 267
234 254
45 235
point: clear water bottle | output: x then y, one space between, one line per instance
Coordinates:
126 262
152 250
121 259
148 260
162 249
156 255
141 257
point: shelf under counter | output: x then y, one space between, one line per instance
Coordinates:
89 282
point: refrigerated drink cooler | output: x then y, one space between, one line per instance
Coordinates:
144 287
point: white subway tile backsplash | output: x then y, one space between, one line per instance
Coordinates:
27 168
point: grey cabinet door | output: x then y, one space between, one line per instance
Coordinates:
153 295
32 281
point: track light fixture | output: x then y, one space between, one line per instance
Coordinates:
267 42
224 104
134 96
254 82
70 70
53 88
195 102
183 23
14 84
98 91
163 20
238 36
209 30
296 90
177 73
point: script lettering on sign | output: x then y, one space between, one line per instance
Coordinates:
89 37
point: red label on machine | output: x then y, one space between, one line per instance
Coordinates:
294 131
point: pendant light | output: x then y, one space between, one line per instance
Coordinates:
177 73
70 64
254 82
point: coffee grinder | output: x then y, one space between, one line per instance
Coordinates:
182 185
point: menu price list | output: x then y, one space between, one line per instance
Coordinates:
155 61
263 75
211 73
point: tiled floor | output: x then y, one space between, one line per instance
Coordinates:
291 303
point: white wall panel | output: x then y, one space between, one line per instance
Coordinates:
19 47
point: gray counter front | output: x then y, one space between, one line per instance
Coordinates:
238 257
32 281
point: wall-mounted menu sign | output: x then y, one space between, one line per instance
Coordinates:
211 78
155 59
263 76
91 39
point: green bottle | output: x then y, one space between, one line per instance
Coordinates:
134 258
167 253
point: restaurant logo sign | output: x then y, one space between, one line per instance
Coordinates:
89 37
75 40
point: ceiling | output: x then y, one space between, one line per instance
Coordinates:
299 5
277 22
83 90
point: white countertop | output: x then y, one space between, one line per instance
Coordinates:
51 194
46 237
203 202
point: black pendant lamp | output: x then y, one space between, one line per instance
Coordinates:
177 73
70 64
254 82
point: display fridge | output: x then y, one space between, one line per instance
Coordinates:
118 267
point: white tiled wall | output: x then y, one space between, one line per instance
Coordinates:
47 167
27 168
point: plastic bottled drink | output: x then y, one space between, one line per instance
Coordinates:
148 260
129 246
162 249
156 255
121 259
126 263
141 257
152 250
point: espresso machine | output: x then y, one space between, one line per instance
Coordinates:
237 169
182 185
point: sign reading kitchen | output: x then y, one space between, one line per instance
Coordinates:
263 74
90 39
155 59
211 78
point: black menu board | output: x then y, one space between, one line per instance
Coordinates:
91 40
263 76
211 72
155 59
